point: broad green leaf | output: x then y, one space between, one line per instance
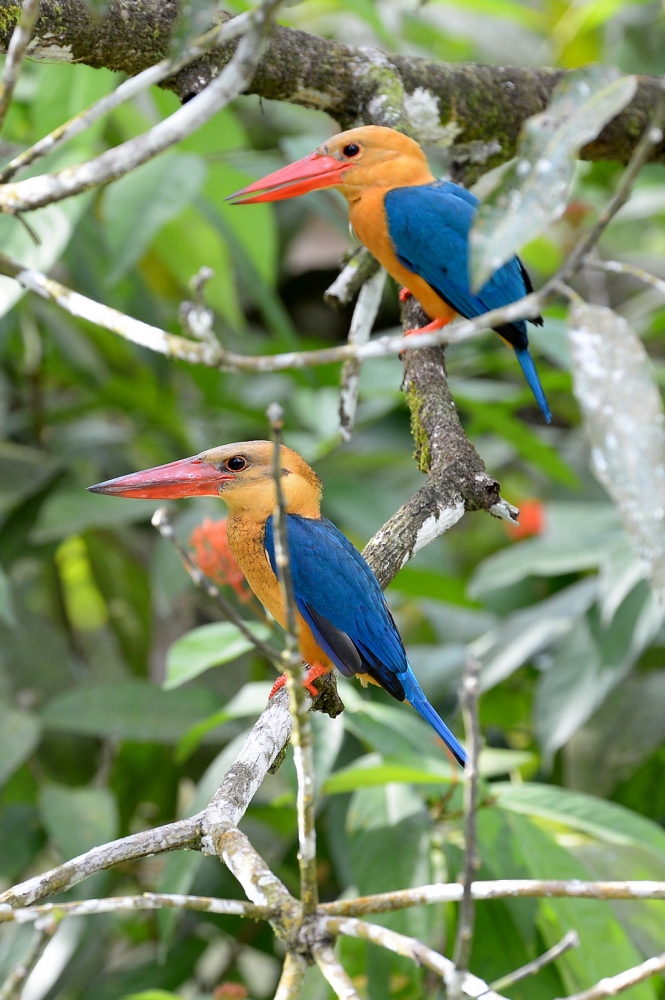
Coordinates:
250 700
152 995
523 634
129 710
576 537
386 728
19 735
185 245
70 512
7 613
623 416
138 205
534 190
23 471
590 661
205 647
428 583
606 821
78 818
328 739
21 836
604 948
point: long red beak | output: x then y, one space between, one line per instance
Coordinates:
313 171
190 477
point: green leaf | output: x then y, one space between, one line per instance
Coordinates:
428 583
152 995
139 204
129 710
7 613
78 819
576 537
250 700
69 512
19 735
533 191
21 836
208 646
23 471
606 821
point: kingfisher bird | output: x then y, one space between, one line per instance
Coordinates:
342 615
416 226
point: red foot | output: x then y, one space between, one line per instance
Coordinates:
316 671
404 294
436 324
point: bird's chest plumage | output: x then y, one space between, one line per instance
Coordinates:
370 223
247 540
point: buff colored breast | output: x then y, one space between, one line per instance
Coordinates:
246 537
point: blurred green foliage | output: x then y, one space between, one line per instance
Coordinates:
96 612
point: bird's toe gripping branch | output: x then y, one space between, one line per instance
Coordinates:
308 681
404 294
432 327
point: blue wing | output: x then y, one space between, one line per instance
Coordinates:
429 227
340 599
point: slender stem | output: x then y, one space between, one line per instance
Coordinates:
124 92
291 979
466 919
301 736
419 953
162 522
13 985
569 940
618 267
367 307
16 53
612 985
452 892
334 972
356 272
116 904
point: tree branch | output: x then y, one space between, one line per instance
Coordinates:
569 940
617 984
481 107
16 53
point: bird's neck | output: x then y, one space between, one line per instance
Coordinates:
257 501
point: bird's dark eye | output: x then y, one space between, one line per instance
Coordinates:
236 464
352 149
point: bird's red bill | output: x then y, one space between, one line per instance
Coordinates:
189 477
312 172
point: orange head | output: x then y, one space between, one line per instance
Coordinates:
371 156
241 474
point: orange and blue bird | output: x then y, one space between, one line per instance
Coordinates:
342 616
416 226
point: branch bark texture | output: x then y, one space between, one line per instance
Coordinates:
481 108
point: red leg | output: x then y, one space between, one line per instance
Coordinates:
436 324
404 294
316 671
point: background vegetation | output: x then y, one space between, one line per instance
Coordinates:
92 746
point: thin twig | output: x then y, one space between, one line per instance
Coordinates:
334 972
359 268
466 917
124 92
618 267
291 979
45 189
301 736
16 53
452 892
116 904
367 307
13 985
612 985
162 521
411 948
569 940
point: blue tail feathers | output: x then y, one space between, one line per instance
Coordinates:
416 697
531 375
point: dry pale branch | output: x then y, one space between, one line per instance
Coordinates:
13 985
358 269
617 984
16 53
335 973
362 323
117 904
124 92
291 979
35 192
301 734
411 948
618 267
